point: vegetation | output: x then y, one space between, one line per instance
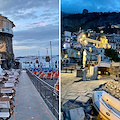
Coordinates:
93 20
111 53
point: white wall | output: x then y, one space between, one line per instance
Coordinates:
67 33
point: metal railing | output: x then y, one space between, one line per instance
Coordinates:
49 93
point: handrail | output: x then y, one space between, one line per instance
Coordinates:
42 80
49 93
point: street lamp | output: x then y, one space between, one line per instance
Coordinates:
78 52
83 36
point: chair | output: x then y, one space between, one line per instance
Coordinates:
38 73
49 75
35 72
42 76
56 76
53 72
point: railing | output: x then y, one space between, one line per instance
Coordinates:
6 30
48 93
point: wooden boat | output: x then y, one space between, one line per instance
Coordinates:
107 106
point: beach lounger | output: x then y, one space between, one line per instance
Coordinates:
53 72
9 84
38 73
49 75
6 110
8 92
56 76
35 72
42 76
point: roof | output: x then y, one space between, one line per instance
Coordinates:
5 18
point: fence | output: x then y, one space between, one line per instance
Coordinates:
48 93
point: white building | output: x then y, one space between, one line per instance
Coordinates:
114 41
66 40
97 46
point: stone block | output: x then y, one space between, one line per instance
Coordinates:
77 114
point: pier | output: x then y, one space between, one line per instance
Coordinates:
28 102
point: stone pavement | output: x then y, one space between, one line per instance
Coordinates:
72 87
29 105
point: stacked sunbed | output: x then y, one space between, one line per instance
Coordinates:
8 81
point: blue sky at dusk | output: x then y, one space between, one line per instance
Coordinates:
36 21
77 6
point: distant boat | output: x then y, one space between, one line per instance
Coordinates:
107 106
19 57
26 62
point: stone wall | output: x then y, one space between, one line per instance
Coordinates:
8 55
112 87
115 68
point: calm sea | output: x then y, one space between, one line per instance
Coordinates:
31 61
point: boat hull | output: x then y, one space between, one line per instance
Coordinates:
104 110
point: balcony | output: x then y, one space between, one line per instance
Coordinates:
6 30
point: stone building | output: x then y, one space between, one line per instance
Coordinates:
6 47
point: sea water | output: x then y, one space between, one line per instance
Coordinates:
31 61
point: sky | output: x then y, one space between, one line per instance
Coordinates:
37 23
77 6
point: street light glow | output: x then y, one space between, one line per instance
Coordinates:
85 42
83 36
80 39
90 49
78 52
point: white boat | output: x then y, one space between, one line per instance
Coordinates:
107 106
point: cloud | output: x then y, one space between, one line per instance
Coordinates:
39 24
24 47
26 8
77 6
47 32
38 37
46 14
36 24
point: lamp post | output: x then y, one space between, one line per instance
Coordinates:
83 42
51 55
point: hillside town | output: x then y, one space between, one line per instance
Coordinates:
72 44
90 63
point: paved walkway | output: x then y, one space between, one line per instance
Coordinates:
73 87
29 104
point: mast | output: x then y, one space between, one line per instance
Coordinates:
39 57
51 54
